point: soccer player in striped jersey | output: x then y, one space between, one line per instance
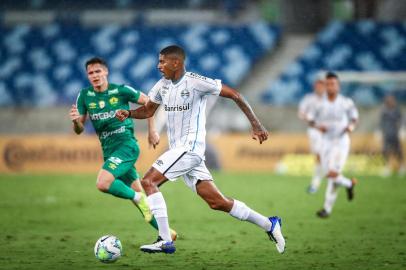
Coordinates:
183 96
100 102
336 117
305 106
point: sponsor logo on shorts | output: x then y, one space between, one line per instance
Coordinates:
159 162
112 166
115 160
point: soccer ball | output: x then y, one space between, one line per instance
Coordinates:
108 249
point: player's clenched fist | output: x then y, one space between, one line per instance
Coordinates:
122 114
322 129
74 113
260 133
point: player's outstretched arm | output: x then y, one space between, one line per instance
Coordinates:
351 126
77 120
258 131
301 112
143 112
153 135
353 117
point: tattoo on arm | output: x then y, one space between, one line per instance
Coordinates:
247 110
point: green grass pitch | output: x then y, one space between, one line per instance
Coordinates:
53 222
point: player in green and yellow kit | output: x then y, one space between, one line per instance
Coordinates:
100 102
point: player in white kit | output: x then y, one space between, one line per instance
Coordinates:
183 96
308 103
336 117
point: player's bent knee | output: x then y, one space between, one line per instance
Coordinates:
332 174
103 186
147 184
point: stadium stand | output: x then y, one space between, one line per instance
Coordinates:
43 65
111 4
366 46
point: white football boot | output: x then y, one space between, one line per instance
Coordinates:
275 233
159 246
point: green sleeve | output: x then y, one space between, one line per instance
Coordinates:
131 94
80 103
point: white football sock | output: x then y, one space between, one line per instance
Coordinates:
317 176
158 208
242 212
331 195
343 181
137 197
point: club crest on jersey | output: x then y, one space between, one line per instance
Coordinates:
92 105
113 101
102 104
185 94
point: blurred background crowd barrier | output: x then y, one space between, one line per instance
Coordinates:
284 154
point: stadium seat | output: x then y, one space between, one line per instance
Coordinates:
354 46
44 65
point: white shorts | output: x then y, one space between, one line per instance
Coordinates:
334 154
315 140
180 162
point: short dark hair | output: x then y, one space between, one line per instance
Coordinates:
331 75
95 60
174 49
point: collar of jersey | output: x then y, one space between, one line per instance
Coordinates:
109 87
180 79
334 99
